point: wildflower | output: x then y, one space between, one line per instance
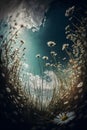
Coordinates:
22 41
64 46
47 64
80 85
69 36
21 25
38 56
70 11
79 68
53 53
45 58
64 118
51 43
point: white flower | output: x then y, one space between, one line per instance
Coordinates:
53 53
47 64
69 36
64 46
38 56
51 43
80 85
70 11
45 58
64 118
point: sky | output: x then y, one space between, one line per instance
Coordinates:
39 18
45 21
53 30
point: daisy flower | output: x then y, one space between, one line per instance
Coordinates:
47 64
45 58
38 56
64 46
53 53
64 118
51 43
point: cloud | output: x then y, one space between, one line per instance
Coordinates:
35 83
28 12
48 82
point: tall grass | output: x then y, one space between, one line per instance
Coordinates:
65 87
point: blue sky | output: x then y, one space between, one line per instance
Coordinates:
53 30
